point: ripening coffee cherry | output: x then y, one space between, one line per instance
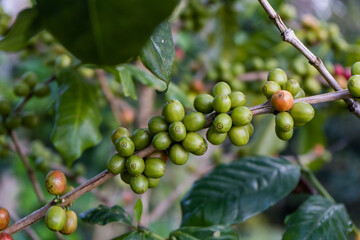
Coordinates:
5 236
118 133
354 85
139 184
355 69
293 86
193 142
178 155
161 141
158 124
5 107
4 218
300 94
42 90
285 136
55 218
173 111
21 89
239 136
12 122
203 103
302 112
55 182
222 123
194 121
29 120
135 165
221 88
222 103
282 100
30 79
270 88
177 131
154 168
241 116
277 75
153 182
124 146
141 138
237 99
284 122
214 137
116 164
70 224
125 177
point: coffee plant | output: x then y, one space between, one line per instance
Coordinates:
151 104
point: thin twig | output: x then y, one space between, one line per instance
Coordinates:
29 231
30 172
288 35
106 175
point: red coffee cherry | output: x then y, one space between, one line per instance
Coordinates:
55 182
4 218
5 236
282 100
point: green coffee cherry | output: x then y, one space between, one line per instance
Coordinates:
221 88
161 141
270 88
21 89
239 136
214 137
222 123
116 164
300 94
158 124
153 182
192 142
285 136
355 69
178 155
203 103
118 133
154 168
177 131
29 120
237 99
312 86
62 61
202 150
354 85
222 103
5 107
139 184
173 111
302 112
42 90
125 177
124 146
194 121
241 116
135 165
141 138
284 122
12 122
292 86
250 129
30 79
55 218
277 75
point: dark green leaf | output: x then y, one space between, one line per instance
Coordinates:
136 235
106 32
206 233
123 75
174 92
158 54
234 192
103 215
146 78
26 26
77 117
318 218
138 208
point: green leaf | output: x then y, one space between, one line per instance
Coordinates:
158 54
104 32
77 117
138 208
103 215
138 235
205 233
234 192
318 218
174 92
123 75
146 78
26 26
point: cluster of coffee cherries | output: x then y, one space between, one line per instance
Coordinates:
57 219
4 222
353 83
282 92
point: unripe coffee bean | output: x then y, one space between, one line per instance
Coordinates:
354 85
241 116
222 103
158 124
237 99
270 88
284 122
124 146
178 155
222 123
302 112
277 75
215 137
239 136
135 165
221 88
173 111
203 103
118 133
194 121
